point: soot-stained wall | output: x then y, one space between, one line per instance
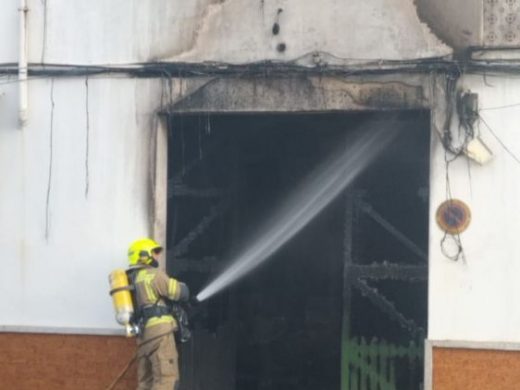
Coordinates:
235 31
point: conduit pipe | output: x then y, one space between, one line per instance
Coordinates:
22 66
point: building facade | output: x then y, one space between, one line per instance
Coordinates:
85 147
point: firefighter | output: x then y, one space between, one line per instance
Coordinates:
157 357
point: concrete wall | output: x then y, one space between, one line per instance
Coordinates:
235 31
476 299
122 31
60 241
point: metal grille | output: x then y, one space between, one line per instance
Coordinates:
501 23
379 364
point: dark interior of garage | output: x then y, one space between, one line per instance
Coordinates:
350 286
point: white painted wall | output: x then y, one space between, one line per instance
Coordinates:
477 300
61 280
236 31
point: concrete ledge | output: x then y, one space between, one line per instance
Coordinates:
61 330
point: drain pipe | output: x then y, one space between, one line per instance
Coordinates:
22 66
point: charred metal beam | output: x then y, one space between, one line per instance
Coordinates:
205 265
181 190
387 307
194 163
369 210
348 261
393 271
216 211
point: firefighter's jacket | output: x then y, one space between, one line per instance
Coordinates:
152 287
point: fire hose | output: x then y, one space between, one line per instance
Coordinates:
183 335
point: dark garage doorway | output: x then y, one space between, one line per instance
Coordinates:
344 303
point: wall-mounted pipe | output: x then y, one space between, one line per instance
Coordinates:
22 65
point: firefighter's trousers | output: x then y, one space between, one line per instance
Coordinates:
157 364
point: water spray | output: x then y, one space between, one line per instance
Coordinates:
319 189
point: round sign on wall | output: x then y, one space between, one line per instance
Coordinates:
453 216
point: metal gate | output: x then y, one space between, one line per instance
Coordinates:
371 364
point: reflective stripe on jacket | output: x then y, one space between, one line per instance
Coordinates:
153 286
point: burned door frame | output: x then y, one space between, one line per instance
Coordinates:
293 93
159 177
289 94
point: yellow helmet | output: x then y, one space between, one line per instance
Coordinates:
142 248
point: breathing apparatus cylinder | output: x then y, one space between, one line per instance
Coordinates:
120 290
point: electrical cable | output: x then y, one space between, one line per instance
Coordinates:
466 119
460 250
155 69
456 237
259 68
500 107
122 373
132 360
270 67
504 146
49 176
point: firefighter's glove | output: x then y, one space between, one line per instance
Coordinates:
185 292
